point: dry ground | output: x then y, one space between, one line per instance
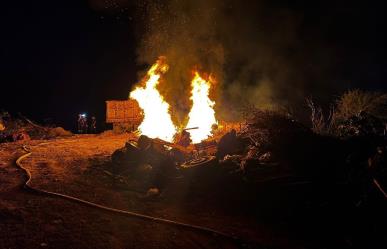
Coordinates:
29 220
78 166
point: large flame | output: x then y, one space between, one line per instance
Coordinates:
157 121
202 114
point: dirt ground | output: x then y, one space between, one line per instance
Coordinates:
33 221
79 166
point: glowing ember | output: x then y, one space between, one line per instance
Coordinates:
202 114
157 121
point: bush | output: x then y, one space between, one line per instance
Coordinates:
320 124
355 113
354 102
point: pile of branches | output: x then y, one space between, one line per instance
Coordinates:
267 138
362 124
355 113
21 128
267 129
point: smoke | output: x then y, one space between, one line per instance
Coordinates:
272 58
261 53
186 33
256 51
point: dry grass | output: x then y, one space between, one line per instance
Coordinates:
321 124
353 102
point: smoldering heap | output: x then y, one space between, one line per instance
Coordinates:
269 146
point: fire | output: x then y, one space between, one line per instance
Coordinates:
202 114
157 121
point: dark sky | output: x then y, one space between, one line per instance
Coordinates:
60 58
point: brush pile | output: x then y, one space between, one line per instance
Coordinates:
263 141
22 129
270 146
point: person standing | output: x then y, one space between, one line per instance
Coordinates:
93 125
85 124
82 124
79 123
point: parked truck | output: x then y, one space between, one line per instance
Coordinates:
125 115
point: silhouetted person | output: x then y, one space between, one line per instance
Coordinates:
93 125
82 123
85 125
79 123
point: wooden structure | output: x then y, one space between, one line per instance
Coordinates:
125 115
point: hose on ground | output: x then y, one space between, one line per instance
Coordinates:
114 210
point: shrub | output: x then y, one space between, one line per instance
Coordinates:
354 102
320 123
355 112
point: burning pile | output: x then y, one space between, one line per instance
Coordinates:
202 114
157 121
253 145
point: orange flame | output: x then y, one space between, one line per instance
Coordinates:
157 121
202 114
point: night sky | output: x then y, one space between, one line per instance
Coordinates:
60 58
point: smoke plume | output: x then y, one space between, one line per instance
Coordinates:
186 33
261 53
254 50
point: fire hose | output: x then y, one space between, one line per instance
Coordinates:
114 210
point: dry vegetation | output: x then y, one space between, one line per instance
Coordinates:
296 189
353 102
21 128
352 107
